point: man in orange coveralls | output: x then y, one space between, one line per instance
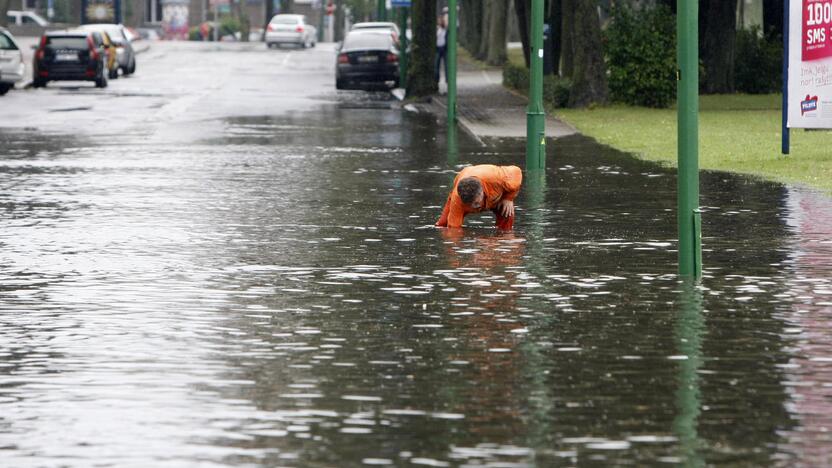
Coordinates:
480 188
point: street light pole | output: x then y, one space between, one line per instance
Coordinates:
535 116
689 219
451 61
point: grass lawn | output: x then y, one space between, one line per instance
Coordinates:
737 133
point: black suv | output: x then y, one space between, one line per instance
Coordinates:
71 55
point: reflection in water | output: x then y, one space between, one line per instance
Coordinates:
274 296
690 326
809 371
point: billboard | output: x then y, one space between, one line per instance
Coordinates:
810 64
100 11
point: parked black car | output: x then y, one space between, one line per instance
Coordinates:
70 56
367 58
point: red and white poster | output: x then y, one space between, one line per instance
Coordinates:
810 64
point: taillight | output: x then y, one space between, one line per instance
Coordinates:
342 58
41 49
270 27
299 29
93 51
391 57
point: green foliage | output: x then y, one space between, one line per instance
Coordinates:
555 88
758 62
229 25
193 34
640 47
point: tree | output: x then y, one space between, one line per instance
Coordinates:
719 44
497 32
555 21
4 7
420 80
773 17
522 9
567 37
589 82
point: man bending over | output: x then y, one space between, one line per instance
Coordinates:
480 188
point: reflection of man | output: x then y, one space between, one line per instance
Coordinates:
480 188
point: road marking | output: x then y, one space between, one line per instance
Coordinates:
286 60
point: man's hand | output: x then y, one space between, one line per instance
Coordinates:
506 208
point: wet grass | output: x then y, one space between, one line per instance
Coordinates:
738 133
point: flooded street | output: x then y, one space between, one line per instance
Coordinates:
245 272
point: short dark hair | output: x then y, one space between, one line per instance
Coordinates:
468 189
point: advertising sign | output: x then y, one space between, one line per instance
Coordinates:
99 11
810 64
400 3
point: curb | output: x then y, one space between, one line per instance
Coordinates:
464 123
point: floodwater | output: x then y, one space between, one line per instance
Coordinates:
276 295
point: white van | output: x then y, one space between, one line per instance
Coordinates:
25 18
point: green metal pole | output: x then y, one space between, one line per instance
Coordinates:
690 244
404 55
451 59
535 116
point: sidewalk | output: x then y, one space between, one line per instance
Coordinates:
486 109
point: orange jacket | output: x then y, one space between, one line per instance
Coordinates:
498 182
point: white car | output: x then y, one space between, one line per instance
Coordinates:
25 18
376 25
11 62
291 29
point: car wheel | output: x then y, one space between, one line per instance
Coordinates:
38 83
4 88
113 74
303 45
133 66
339 84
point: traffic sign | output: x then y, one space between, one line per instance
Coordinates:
401 3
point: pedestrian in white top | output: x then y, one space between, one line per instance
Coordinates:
441 48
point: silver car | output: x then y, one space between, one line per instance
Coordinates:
291 29
11 62
124 46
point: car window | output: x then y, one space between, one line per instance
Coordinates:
6 43
66 42
368 41
285 20
10 19
29 20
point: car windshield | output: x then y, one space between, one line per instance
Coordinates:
367 41
6 43
286 20
67 42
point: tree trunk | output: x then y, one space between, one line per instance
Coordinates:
497 33
589 81
269 12
719 45
521 8
567 37
338 17
420 81
553 47
4 7
773 17
482 48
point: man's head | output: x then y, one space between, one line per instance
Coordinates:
470 192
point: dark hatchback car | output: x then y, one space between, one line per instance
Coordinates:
367 58
70 56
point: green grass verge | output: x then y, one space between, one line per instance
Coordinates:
737 133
